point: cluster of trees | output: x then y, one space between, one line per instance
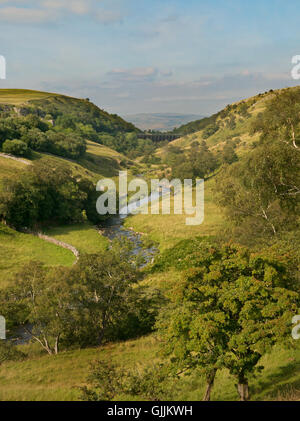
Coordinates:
67 112
95 301
129 144
44 195
21 135
210 130
198 161
16 147
61 126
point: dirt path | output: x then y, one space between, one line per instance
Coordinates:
4 155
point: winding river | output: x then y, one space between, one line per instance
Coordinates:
113 228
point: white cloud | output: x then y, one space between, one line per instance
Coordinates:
78 7
49 10
137 73
23 15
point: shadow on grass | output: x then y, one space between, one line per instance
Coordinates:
279 381
5 231
105 166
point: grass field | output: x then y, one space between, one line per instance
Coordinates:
9 167
84 237
43 377
169 229
20 96
99 161
16 249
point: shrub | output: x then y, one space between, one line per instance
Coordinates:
16 147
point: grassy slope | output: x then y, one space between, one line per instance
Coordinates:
84 237
100 161
57 378
9 167
20 96
169 229
256 105
16 249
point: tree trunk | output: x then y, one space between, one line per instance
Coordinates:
243 389
56 345
210 378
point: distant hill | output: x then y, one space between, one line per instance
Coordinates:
160 121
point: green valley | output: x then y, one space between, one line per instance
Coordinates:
210 314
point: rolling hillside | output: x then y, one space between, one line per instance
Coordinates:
99 161
233 123
52 105
16 249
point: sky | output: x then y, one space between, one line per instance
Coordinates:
140 56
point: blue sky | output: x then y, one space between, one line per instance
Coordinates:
131 56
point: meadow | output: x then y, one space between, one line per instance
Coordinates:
42 377
17 249
167 230
21 96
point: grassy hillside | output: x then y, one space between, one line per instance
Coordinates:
9 167
22 96
167 230
16 249
58 378
233 124
55 105
84 237
100 161
197 125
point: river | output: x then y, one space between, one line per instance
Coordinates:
114 227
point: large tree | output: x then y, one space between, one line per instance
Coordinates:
230 309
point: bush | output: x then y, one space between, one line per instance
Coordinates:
16 147
209 131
